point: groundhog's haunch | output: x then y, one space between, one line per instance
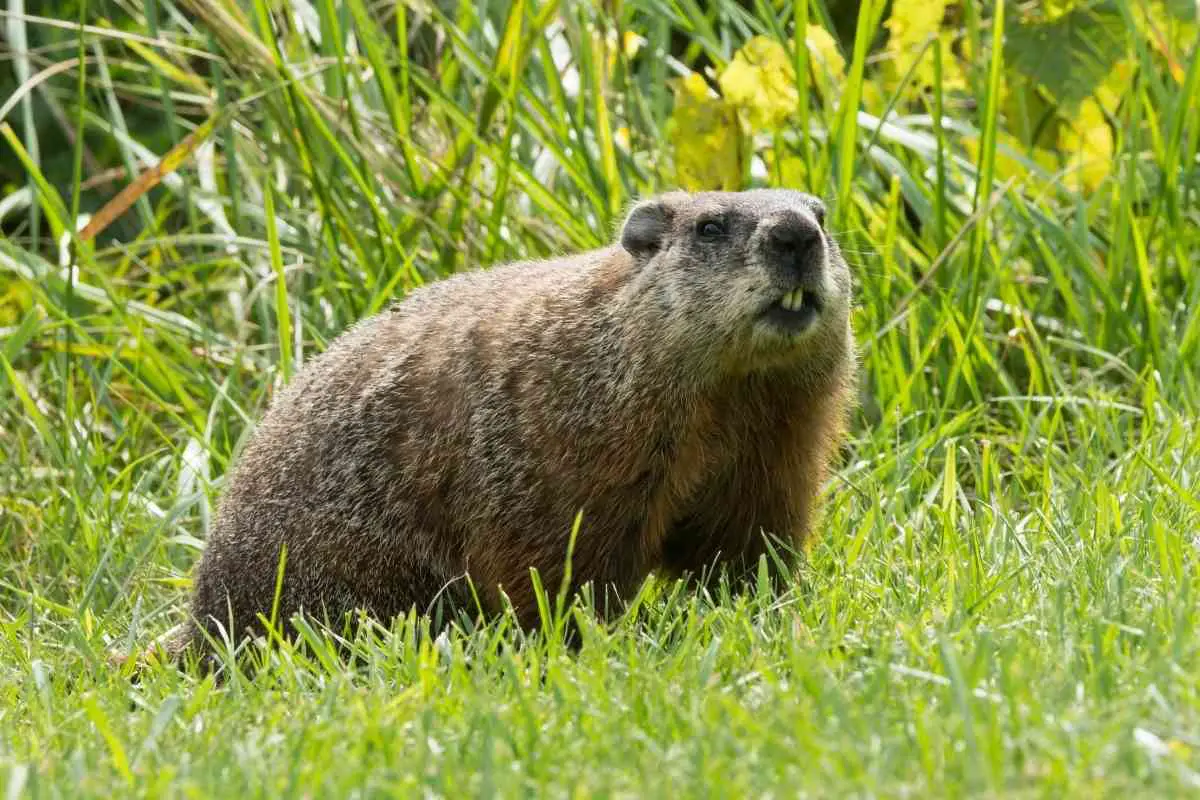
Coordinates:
683 389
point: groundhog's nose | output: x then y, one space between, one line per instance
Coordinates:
798 243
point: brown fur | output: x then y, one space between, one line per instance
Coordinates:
460 432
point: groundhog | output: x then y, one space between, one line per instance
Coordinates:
682 390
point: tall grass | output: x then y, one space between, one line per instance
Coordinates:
1002 600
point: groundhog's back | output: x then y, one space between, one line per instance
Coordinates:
418 433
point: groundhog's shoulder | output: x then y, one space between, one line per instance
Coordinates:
443 318
467 303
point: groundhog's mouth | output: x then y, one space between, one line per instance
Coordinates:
795 312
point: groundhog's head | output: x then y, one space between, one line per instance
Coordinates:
748 280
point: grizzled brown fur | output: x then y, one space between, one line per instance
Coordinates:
656 385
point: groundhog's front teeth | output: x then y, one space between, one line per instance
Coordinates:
792 300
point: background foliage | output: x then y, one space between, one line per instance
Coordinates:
1003 599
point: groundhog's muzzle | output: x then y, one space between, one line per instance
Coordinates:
794 252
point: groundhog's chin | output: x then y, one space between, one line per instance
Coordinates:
788 330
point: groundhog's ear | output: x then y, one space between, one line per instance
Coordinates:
645 228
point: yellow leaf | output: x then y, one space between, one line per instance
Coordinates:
911 23
166 67
953 75
824 50
630 44
1113 90
151 177
15 300
1012 156
874 99
1170 36
1087 140
761 82
705 136
788 170
1053 9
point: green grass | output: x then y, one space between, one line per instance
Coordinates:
1004 596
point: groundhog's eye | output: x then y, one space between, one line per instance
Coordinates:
819 213
710 228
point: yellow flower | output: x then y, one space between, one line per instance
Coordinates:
621 137
631 43
761 82
705 136
1089 143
